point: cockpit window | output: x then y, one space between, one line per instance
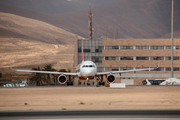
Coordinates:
91 66
88 66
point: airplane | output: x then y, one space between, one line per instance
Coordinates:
171 81
86 70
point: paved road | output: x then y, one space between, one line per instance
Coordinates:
92 114
91 118
1 87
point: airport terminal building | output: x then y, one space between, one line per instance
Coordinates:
128 54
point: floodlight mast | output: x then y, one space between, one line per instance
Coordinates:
90 20
172 16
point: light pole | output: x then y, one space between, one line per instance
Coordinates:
172 74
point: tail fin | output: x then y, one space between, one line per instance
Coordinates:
82 50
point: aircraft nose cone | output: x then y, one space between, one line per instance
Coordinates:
89 72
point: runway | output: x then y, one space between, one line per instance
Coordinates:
92 114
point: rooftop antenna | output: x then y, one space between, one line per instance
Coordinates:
90 20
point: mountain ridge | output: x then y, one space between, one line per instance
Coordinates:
30 43
22 27
132 19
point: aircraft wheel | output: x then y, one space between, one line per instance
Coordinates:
99 83
103 83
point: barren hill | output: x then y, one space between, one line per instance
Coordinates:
21 27
30 43
132 18
138 18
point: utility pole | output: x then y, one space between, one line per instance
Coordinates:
172 45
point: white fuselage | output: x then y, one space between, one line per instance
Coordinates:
88 69
171 81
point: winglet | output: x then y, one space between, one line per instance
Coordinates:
11 67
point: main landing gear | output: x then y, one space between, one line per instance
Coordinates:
101 82
69 83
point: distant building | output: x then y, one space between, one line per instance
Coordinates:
92 51
128 54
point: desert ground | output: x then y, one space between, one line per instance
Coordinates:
72 98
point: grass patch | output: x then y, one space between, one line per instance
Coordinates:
63 108
107 85
81 103
25 103
97 85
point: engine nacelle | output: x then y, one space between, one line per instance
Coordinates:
62 79
111 78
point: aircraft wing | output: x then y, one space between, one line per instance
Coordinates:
115 72
68 67
46 72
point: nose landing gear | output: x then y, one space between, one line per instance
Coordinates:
88 84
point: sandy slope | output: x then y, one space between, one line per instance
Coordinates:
31 43
27 53
149 97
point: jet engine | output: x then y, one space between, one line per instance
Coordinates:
62 79
110 78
